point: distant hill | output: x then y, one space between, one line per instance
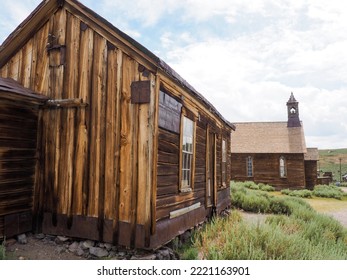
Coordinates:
329 160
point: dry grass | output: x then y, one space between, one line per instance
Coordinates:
325 205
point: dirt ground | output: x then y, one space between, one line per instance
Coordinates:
38 249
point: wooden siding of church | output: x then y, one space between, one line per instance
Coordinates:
311 173
266 170
94 180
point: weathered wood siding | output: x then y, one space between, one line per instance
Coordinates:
18 137
311 173
266 169
107 168
95 153
170 198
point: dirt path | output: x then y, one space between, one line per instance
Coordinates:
332 207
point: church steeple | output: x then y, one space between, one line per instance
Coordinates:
293 112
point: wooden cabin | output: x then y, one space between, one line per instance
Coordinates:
127 151
19 114
274 153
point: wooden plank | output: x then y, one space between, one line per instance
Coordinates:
57 130
26 64
166 169
166 180
70 91
167 190
164 212
84 131
111 134
182 211
14 66
103 140
40 67
168 147
144 163
168 158
155 133
126 148
119 86
38 195
168 136
98 91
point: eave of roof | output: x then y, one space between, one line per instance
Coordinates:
14 90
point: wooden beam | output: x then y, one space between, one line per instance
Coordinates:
180 212
66 103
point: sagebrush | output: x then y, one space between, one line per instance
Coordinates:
292 231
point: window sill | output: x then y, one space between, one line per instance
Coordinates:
186 190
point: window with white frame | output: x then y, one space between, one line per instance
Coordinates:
283 167
249 162
187 153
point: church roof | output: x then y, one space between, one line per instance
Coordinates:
267 137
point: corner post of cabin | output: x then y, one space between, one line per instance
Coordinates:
155 133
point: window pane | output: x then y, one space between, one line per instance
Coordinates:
249 167
283 167
187 152
224 152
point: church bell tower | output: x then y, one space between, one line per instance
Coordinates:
293 112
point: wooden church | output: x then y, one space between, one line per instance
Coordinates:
100 138
274 153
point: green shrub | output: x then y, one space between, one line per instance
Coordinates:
328 191
278 205
251 185
190 253
255 203
298 193
2 252
266 187
296 232
286 191
280 238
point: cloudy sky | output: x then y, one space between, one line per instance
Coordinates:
246 57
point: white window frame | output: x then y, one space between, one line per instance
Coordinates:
224 163
249 166
187 154
283 167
